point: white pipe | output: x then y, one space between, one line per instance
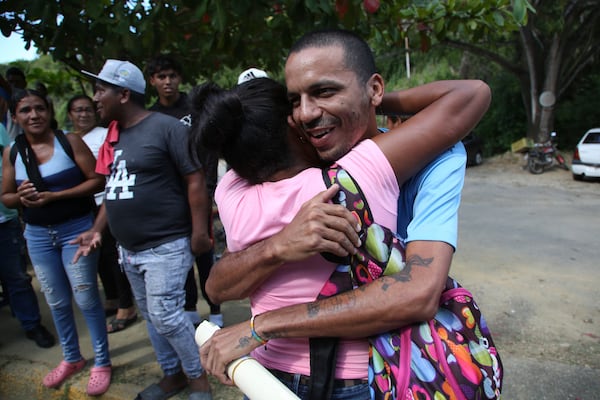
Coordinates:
254 380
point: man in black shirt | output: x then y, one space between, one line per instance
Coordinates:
165 75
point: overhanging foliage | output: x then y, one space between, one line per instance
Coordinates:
208 35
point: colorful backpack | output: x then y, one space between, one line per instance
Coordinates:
452 356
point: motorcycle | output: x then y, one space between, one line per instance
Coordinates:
544 156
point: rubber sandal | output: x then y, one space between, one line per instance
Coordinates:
117 325
64 370
154 392
99 380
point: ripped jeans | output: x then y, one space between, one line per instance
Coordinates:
61 281
157 276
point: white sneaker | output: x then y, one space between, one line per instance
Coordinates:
216 319
194 317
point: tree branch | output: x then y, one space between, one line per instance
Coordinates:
503 62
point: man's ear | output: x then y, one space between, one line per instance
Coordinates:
376 89
125 95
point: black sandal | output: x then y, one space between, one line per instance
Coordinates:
117 324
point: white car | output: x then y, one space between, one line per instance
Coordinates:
586 158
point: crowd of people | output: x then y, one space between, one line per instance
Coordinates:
128 197
54 180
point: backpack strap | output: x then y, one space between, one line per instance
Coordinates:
382 248
30 162
64 142
13 154
23 147
62 139
350 196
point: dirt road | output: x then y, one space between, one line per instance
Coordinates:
528 248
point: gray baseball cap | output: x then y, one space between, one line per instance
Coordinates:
123 74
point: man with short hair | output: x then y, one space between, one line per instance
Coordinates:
156 205
329 76
165 75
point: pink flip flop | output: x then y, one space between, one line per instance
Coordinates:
99 380
64 370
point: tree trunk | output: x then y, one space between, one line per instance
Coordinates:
552 66
542 77
528 81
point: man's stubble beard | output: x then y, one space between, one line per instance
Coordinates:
331 156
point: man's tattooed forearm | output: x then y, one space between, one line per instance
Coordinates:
405 274
336 303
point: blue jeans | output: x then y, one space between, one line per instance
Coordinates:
356 392
14 277
157 278
61 281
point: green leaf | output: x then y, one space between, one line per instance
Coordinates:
498 18
519 10
439 26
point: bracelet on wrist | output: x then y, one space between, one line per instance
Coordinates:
255 334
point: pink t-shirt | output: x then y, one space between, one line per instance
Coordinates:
251 213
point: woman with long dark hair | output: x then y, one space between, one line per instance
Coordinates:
51 177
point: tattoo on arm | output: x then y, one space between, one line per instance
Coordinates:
244 342
312 309
339 302
417 260
347 299
413 261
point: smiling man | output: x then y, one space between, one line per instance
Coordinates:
331 80
323 93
